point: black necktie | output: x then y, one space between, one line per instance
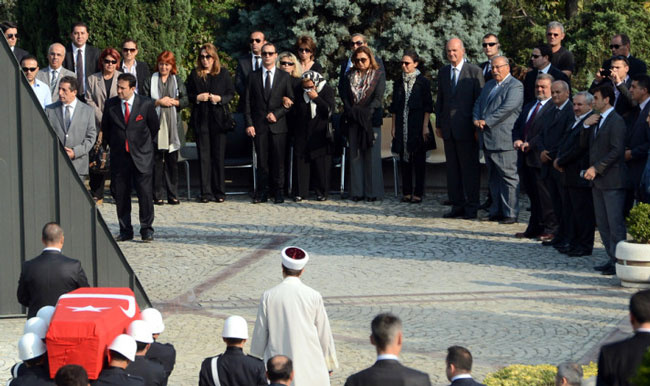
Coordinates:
267 84
257 63
80 71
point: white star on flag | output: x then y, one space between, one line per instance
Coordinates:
88 309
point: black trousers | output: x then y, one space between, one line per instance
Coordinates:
124 177
271 150
165 175
559 200
583 218
415 166
211 146
463 175
527 175
321 174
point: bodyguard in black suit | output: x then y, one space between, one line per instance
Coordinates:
573 158
637 139
131 66
491 48
10 30
620 46
266 123
387 371
247 64
459 86
130 125
49 275
619 361
80 50
541 59
459 367
620 81
607 173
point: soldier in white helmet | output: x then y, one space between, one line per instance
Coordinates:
163 353
291 321
120 353
152 372
39 327
32 351
233 367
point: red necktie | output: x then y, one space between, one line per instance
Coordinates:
126 122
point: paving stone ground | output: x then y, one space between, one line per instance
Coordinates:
451 281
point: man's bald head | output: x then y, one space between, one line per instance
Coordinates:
279 369
455 51
52 234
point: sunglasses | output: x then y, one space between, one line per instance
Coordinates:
535 56
107 61
614 46
287 63
551 34
11 36
406 63
304 50
357 43
256 41
267 53
360 60
29 69
490 44
129 49
205 56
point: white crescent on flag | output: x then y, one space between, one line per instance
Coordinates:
129 312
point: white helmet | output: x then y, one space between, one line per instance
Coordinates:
36 325
30 346
46 313
125 345
154 317
140 330
235 327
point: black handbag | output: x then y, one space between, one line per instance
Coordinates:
229 123
99 158
430 140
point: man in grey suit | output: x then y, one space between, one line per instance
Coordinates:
387 338
74 124
607 172
52 74
459 85
495 113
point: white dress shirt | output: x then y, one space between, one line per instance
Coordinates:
264 72
42 92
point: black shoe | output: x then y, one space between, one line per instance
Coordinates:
260 199
453 214
278 199
508 221
159 202
611 270
321 198
147 238
470 216
173 201
492 218
356 198
371 199
204 200
604 267
123 237
563 249
578 253
297 198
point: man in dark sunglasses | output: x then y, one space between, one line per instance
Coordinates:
10 30
30 69
248 63
131 66
562 59
541 61
491 48
620 46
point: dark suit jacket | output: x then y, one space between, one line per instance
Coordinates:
625 105
257 106
638 141
141 132
388 373
91 63
606 153
542 119
488 75
553 132
142 73
152 372
531 77
19 53
344 85
466 382
573 154
244 68
618 361
163 353
637 66
46 277
205 115
454 108
420 103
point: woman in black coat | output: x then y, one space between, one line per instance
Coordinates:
313 146
411 108
210 89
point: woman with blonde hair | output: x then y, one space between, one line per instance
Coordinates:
210 89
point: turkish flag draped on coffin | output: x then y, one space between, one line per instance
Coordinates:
84 323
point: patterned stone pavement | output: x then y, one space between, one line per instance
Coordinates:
451 281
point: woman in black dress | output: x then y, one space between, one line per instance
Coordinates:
411 108
313 146
210 89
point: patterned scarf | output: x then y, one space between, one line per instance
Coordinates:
362 84
409 81
319 83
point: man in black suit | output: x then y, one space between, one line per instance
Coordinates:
459 85
247 64
49 275
637 140
459 367
83 58
607 173
10 30
620 46
131 66
266 123
547 144
541 60
130 125
619 361
534 116
491 48
619 79
279 370
573 158
387 338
